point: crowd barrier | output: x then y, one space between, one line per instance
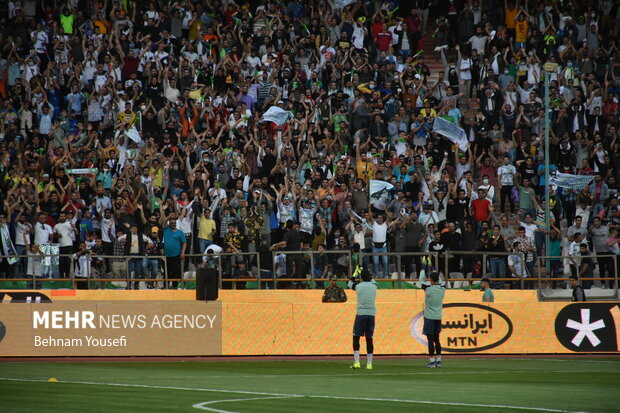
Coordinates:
293 322
457 268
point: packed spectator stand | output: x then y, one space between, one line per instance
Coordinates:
181 134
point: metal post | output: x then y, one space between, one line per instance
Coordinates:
350 266
446 258
258 268
523 270
311 270
127 272
484 265
273 275
219 267
72 272
165 273
400 274
616 274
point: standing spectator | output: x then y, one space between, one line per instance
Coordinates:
135 244
118 266
528 247
599 192
586 265
150 265
515 264
554 251
292 242
379 242
65 232
452 241
174 247
415 234
497 244
600 235
82 262
506 174
481 209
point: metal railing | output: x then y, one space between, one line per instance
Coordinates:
559 264
54 271
297 258
223 260
485 257
273 276
401 273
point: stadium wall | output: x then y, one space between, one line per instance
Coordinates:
291 322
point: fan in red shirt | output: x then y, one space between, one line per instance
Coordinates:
74 204
383 39
481 208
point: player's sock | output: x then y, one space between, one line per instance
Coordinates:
369 358
438 358
356 356
432 359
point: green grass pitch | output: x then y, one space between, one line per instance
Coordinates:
395 385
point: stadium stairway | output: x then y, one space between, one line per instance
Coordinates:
432 59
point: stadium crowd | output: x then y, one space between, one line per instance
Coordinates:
165 128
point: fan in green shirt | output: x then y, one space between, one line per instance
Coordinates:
66 21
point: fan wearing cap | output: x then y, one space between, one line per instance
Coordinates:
359 33
428 216
151 266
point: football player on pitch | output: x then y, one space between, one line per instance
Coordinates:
365 318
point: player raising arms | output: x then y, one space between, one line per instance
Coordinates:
365 318
433 304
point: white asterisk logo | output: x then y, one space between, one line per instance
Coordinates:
585 328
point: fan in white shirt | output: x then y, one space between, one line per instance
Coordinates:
42 231
66 233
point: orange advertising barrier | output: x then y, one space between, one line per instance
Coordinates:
297 323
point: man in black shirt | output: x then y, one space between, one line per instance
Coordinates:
291 242
586 266
527 170
578 293
412 187
497 263
452 242
437 246
461 208
415 236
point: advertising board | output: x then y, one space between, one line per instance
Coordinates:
294 323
